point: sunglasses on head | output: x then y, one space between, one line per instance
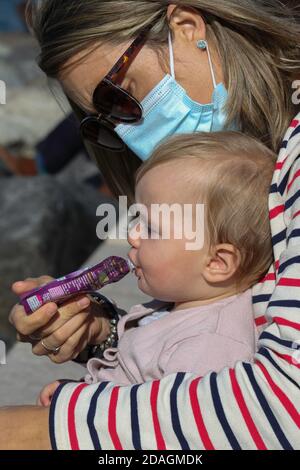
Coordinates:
113 102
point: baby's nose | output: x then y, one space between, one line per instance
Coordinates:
133 235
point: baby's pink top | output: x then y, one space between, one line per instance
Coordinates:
197 340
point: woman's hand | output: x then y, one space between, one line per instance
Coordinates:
69 327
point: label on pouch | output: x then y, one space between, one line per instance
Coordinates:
34 302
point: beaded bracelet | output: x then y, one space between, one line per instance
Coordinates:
98 350
111 342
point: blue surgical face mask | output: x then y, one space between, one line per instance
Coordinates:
168 110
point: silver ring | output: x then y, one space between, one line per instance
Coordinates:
51 350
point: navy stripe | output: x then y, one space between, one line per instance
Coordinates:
282 342
285 303
220 413
91 416
295 233
266 353
279 237
290 262
291 200
261 298
267 410
295 132
273 188
283 184
174 412
52 416
135 427
284 144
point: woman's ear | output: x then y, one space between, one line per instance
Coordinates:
222 263
187 21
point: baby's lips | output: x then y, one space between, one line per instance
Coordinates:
131 265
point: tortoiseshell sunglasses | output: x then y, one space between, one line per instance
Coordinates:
112 101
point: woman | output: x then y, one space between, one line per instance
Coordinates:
239 59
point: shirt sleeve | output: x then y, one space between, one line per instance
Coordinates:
250 406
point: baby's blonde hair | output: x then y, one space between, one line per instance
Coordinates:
232 174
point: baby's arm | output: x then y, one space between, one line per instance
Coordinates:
204 353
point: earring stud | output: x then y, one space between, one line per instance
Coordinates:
202 44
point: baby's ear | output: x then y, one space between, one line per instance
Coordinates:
222 263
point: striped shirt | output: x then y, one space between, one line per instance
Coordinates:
250 406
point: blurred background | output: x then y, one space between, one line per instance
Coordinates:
49 193
49 188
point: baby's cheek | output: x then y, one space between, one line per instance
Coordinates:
151 256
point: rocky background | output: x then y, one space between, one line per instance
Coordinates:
47 223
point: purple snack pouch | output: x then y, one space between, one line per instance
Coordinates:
87 280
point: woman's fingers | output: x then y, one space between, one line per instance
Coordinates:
69 350
73 307
20 287
28 324
62 335
65 313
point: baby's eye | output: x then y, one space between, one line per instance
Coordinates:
154 232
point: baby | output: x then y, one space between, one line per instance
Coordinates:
202 317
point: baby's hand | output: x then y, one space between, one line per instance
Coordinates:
47 393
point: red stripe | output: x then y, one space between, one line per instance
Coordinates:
276 211
71 417
285 281
297 174
161 445
291 360
112 420
288 405
245 412
294 123
261 320
277 265
198 416
296 215
279 165
269 277
284 322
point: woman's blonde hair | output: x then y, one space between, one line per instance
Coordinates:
258 42
231 174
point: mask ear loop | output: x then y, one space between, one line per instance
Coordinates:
203 46
172 67
211 67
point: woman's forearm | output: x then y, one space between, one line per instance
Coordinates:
24 428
